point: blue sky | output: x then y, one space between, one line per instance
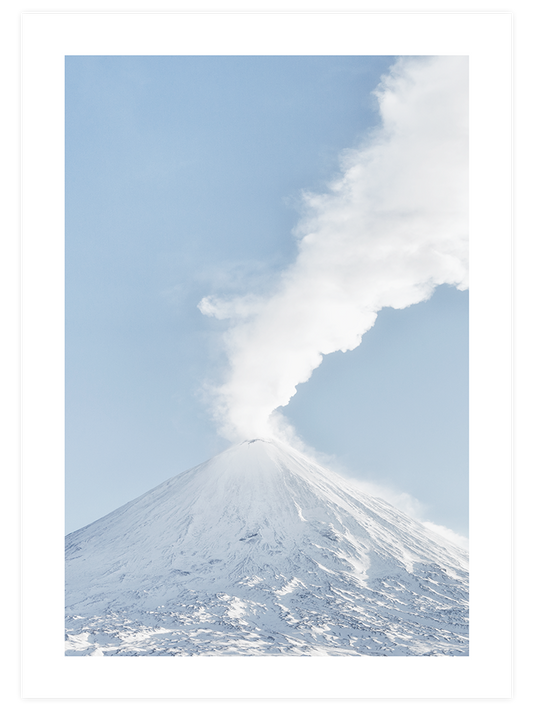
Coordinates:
184 179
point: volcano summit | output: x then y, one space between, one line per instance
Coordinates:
261 551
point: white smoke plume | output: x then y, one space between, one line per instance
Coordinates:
390 229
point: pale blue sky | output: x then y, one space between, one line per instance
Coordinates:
182 179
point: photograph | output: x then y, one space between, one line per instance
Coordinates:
266 319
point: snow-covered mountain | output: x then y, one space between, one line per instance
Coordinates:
260 551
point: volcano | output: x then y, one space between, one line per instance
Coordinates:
261 551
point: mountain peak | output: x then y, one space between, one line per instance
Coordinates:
265 540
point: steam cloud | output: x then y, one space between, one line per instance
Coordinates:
390 229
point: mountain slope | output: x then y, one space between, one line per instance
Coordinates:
261 551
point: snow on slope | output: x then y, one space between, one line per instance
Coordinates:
261 551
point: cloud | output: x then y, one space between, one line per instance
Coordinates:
447 533
392 226
238 307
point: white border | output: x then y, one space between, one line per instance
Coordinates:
47 38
